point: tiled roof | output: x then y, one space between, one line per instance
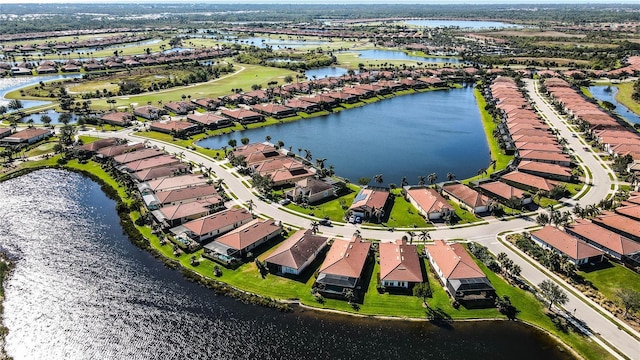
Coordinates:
605 237
429 199
466 195
249 234
502 190
530 180
297 249
346 257
370 198
207 224
453 260
400 262
565 243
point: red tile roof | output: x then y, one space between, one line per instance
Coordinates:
606 238
528 180
400 262
297 249
429 199
565 243
453 260
207 224
466 195
346 257
249 234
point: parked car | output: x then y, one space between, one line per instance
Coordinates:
358 220
285 202
325 222
352 219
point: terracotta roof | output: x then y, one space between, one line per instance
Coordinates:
172 125
453 260
249 234
370 198
151 162
115 150
565 243
545 168
96 145
530 180
159 172
346 257
207 224
179 211
502 190
137 155
193 192
297 249
176 182
28 133
605 237
631 211
466 194
544 155
429 199
400 262
207 118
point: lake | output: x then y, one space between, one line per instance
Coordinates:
399 55
81 290
410 135
10 84
276 43
608 93
54 115
466 24
327 71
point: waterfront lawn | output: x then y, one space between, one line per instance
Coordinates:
609 277
625 90
465 216
42 148
186 143
332 208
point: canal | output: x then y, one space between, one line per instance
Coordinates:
81 290
405 136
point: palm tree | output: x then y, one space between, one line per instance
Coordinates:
378 179
320 163
451 176
410 235
314 227
404 181
424 236
421 179
432 178
250 206
267 138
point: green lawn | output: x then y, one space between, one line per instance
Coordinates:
607 279
465 216
624 96
403 214
333 208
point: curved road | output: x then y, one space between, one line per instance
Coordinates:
487 233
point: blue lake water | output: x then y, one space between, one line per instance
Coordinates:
600 92
54 115
411 135
323 72
468 24
274 42
14 83
399 55
81 290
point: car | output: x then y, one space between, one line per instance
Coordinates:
325 222
285 202
352 219
358 220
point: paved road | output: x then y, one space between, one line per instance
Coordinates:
485 234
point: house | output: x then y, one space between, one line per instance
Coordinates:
475 201
619 224
208 227
504 192
179 128
28 135
183 196
175 215
174 182
284 170
137 155
243 116
159 172
257 152
276 110
311 190
613 244
305 106
148 163
551 157
370 202
94 146
461 276
551 171
528 182
399 265
118 118
5 132
428 202
630 211
115 150
179 107
207 103
343 266
209 120
149 112
577 251
237 243
296 253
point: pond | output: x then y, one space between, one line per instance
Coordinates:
81 290
608 93
10 84
323 72
276 43
411 135
399 55
466 24
54 115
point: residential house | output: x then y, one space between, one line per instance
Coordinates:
243 116
399 265
343 266
179 128
428 201
159 172
551 171
149 112
619 224
296 253
211 226
180 107
237 243
137 155
311 190
577 251
148 163
94 146
630 211
613 244
528 182
504 192
115 150
469 198
209 120
370 202
461 276
117 118
551 157
5 132
183 196
275 110
174 182
174 215
28 135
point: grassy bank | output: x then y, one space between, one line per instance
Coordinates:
5 269
625 90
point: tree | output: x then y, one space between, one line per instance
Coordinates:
421 179
363 181
422 291
404 181
250 206
65 118
267 138
244 140
451 176
553 292
15 104
542 219
314 227
378 179
432 178
629 299
232 142
45 119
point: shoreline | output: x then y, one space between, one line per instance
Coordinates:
6 266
